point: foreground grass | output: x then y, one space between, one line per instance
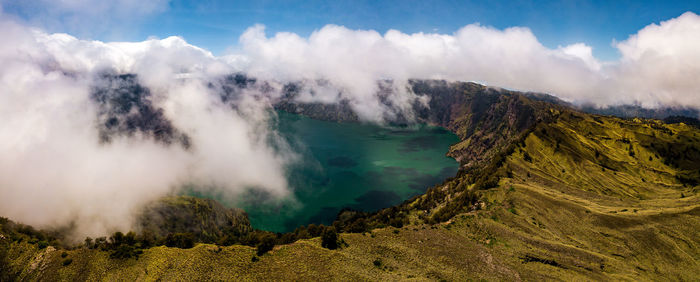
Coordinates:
524 233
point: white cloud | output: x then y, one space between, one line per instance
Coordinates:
659 64
583 52
353 60
54 171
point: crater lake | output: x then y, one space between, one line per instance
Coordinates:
360 166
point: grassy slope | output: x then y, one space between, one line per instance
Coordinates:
565 212
634 219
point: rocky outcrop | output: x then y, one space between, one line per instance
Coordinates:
125 109
484 118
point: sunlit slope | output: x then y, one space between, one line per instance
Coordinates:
584 195
603 195
612 162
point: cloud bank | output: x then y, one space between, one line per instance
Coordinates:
658 67
54 171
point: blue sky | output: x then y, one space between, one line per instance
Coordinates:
217 24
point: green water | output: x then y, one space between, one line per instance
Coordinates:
351 165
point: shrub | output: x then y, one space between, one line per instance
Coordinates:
314 230
147 239
67 262
100 241
396 222
359 225
377 262
88 243
227 240
329 238
116 239
180 240
42 244
287 238
125 251
266 244
302 233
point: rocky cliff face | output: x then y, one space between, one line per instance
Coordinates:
484 118
125 109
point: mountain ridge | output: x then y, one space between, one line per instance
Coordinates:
545 192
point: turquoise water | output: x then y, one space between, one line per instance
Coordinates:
351 165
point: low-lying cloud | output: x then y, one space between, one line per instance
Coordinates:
658 65
57 168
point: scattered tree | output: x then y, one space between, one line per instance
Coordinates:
329 238
180 240
266 244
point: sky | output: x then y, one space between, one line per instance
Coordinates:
216 25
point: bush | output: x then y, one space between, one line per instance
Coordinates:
377 262
228 240
67 262
147 239
42 244
116 239
88 243
302 233
314 230
396 222
329 238
359 225
125 251
266 244
180 240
